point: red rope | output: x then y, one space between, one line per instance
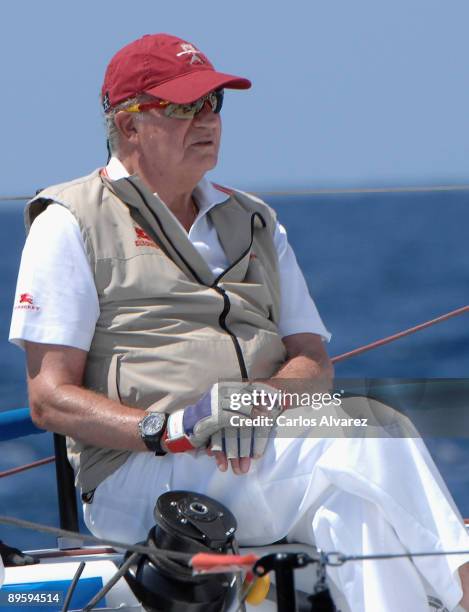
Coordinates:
28 466
208 561
402 334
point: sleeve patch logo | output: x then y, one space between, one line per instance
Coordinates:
26 302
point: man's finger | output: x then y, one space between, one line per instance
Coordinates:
231 442
245 441
245 464
235 466
222 461
261 437
241 465
216 442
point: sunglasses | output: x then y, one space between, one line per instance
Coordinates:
181 111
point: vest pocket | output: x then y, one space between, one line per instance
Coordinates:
113 378
260 287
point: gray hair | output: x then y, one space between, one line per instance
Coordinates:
112 131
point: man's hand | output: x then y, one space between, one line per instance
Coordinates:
239 466
307 360
239 445
218 417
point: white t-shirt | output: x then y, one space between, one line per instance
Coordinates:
56 300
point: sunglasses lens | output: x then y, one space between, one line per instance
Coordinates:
217 102
188 111
181 111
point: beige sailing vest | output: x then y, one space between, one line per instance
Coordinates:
167 328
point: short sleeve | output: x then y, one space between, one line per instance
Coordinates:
298 312
56 300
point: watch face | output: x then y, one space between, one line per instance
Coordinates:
153 424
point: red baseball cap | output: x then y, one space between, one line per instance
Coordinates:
166 67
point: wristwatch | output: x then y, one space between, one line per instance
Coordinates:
151 429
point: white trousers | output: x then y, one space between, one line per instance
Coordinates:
356 496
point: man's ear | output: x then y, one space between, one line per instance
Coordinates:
125 123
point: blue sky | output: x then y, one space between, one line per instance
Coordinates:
346 93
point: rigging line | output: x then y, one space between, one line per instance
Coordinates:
324 191
112 581
336 559
336 359
14 198
219 562
402 334
65 533
72 587
27 466
364 190
332 558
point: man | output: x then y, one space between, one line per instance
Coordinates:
143 287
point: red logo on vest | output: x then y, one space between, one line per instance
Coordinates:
143 239
26 302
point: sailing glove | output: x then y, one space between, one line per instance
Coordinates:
219 417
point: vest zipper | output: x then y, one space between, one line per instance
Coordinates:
227 304
219 290
225 328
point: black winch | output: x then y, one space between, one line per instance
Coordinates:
186 522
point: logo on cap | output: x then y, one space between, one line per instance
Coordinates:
188 48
